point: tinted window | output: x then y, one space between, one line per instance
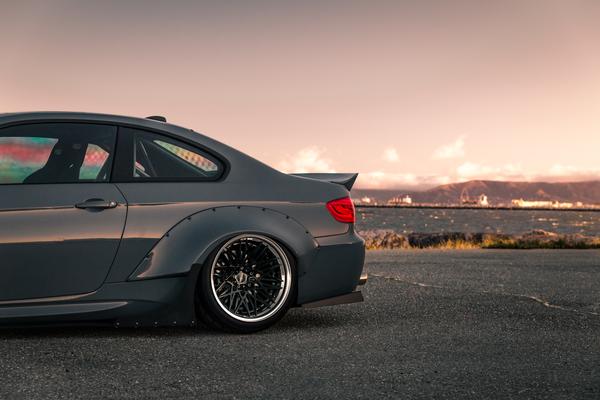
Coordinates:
95 158
160 157
56 153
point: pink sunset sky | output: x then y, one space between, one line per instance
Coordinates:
409 94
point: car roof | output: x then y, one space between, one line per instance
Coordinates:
84 116
139 122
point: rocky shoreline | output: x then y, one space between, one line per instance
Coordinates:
537 239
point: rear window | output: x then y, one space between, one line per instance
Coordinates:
199 161
158 157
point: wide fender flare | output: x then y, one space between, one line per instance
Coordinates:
194 238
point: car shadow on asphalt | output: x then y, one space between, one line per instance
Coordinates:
318 319
296 319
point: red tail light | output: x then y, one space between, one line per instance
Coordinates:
342 210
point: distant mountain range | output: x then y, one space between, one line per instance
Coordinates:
496 191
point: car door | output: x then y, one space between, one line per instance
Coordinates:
61 220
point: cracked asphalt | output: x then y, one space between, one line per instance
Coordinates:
435 324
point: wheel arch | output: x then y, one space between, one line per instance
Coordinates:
191 242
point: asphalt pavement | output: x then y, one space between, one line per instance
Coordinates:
435 324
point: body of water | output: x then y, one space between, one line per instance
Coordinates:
407 220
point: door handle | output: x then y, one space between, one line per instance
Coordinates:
98 204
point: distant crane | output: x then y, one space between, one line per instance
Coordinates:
466 199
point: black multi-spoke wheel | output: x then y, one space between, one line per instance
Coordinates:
250 279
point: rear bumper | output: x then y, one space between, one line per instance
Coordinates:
354 297
334 272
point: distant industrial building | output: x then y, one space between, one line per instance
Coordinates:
400 200
543 204
365 201
483 201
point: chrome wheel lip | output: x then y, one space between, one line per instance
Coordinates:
286 276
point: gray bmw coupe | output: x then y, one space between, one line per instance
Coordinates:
136 222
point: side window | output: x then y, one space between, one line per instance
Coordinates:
22 156
56 153
157 157
95 158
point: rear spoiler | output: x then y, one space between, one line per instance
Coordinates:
346 180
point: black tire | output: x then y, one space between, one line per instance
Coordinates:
233 296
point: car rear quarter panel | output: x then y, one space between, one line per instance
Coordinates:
326 266
161 226
154 209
